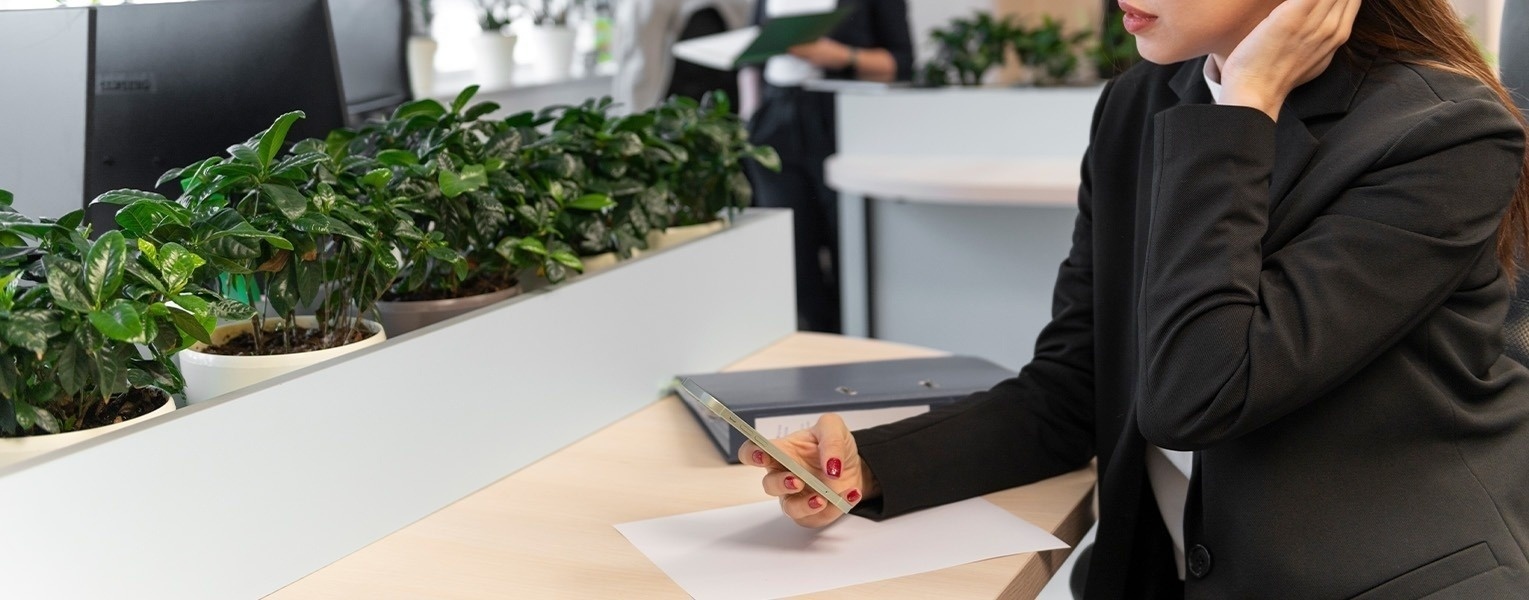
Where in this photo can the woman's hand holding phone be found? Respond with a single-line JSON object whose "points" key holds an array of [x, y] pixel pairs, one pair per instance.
{"points": [[828, 448]]}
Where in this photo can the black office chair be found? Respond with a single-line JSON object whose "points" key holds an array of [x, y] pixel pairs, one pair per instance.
{"points": [[1515, 75]]}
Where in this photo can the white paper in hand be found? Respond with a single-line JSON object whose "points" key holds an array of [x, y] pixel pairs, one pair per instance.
{"points": [[753, 552], [718, 51]]}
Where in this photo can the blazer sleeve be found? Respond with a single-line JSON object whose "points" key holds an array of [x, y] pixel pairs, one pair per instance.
{"points": [[1233, 339], [1037, 425], [892, 32]]}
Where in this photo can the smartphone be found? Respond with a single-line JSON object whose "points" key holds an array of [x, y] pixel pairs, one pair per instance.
{"points": [[702, 397]]}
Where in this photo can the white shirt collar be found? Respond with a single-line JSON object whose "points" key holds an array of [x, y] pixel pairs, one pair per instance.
{"points": [[1213, 78]]}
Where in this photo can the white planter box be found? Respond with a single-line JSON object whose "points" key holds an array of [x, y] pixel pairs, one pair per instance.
{"points": [[272, 482]]}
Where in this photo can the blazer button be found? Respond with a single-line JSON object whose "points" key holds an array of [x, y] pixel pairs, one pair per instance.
{"points": [[1198, 561]]}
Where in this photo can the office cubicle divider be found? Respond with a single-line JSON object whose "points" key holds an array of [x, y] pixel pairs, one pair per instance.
{"points": [[237, 497]]}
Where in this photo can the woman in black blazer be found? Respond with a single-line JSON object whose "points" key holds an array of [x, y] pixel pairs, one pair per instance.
{"points": [[871, 44], [1292, 261]]}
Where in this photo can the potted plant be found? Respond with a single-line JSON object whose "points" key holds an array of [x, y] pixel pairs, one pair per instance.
{"points": [[495, 47], [966, 49], [709, 185], [606, 155], [448, 196], [1048, 51], [549, 41], [421, 49], [274, 236], [87, 330]]}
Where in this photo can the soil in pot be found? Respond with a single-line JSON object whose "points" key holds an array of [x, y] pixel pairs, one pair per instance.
{"points": [[303, 340], [131, 404]]}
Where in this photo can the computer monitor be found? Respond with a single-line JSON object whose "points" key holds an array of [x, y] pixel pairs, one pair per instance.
{"points": [[371, 39], [175, 83]]}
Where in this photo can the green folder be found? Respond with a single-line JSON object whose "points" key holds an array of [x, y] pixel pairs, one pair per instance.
{"points": [[778, 35]]}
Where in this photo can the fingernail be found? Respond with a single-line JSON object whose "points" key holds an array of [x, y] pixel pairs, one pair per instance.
{"points": [[759, 457], [790, 482], [815, 503], [853, 496], [834, 467]]}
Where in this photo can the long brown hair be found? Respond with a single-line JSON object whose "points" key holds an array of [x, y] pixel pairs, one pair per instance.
{"points": [[1428, 32]]}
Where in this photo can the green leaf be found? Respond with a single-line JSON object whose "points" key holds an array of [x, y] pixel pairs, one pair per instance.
{"points": [[397, 158], [286, 198], [120, 321], [149, 373], [242, 153], [66, 285], [233, 310], [462, 99], [127, 197], [298, 167], [143, 217], [426, 108], [31, 329], [766, 157], [556, 272], [271, 139], [28, 416], [176, 265], [337, 141], [237, 171], [470, 179], [228, 223], [568, 259], [193, 316], [103, 267], [480, 109], [10, 377], [592, 202], [6, 198], [377, 178], [532, 245]]}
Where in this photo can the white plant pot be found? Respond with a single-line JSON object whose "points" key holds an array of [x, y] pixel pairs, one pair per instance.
{"points": [[14, 450], [495, 68], [211, 375], [599, 262], [548, 50], [422, 66], [674, 236]]}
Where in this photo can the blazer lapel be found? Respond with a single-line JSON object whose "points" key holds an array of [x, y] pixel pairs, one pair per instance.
{"points": [[1330, 94], [1324, 98]]}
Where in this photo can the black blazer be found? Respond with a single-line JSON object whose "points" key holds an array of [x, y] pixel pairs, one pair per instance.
{"points": [[1313, 307]]}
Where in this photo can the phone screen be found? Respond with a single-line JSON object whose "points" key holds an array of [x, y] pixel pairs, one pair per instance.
{"points": [[689, 388]]}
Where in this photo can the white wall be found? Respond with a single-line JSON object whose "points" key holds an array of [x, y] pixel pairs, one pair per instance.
{"points": [[1485, 20], [43, 64]]}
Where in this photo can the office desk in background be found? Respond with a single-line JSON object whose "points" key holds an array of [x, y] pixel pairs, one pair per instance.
{"points": [[548, 531], [951, 225]]}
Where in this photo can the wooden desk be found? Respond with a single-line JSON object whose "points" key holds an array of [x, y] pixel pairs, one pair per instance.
{"points": [[547, 530]]}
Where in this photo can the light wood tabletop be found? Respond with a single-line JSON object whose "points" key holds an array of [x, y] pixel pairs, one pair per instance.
{"points": [[547, 531]]}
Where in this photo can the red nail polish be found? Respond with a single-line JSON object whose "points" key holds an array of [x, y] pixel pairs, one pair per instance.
{"points": [[790, 483], [759, 457], [815, 503], [834, 467], [853, 496]]}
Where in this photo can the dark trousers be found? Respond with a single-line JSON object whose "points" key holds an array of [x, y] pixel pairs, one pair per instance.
{"points": [[800, 126], [815, 223]]}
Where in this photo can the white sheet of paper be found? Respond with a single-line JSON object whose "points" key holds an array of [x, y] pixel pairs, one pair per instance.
{"points": [[717, 51], [753, 552]]}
